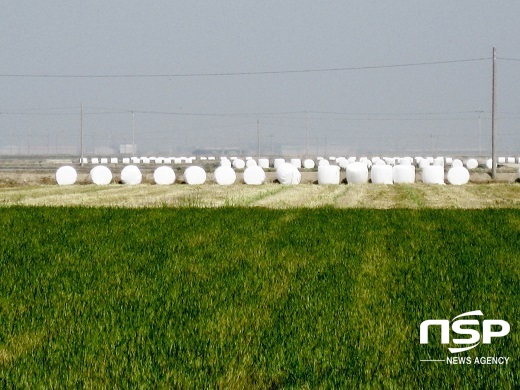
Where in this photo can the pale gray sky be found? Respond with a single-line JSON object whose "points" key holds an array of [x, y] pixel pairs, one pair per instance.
{"points": [[205, 74]]}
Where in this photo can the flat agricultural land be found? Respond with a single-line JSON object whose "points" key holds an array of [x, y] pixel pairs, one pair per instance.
{"points": [[249, 297], [269, 195]]}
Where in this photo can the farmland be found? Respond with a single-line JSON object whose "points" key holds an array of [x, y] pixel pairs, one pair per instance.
{"points": [[250, 297], [269, 195]]}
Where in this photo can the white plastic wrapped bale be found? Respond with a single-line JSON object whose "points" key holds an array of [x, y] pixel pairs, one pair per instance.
{"points": [[501, 160], [114, 160], [357, 173], [104, 160], [328, 174], [225, 175], [309, 163], [126, 160], [343, 163], [195, 175], [297, 162], [131, 175], [251, 163], [489, 163], [379, 162], [239, 163], [164, 175], [382, 174], [225, 163], [406, 161], [457, 163], [433, 174], [403, 174], [135, 160], [423, 163], [449, 160], [278, 162], [101, 175], [263, 163], [66, 176], [458, 175], [254, 175], [439, 161], [510, 160], [287, 173], [323, 162], [471, 163]]}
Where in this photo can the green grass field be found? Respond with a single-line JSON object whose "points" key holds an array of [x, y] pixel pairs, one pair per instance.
{"points": [[252, 298]]}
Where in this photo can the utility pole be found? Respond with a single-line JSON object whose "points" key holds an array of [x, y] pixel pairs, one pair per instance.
{"points": [[493, 120], [81, 135]]}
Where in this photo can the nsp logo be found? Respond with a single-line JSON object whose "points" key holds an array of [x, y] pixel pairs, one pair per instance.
{"points": [[490, 329]]}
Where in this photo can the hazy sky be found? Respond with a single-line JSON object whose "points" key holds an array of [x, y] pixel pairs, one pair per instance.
{"points": [[316, 76]]}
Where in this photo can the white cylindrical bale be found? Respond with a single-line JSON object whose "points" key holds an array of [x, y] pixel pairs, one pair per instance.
{"points": [[278, 162], [126, 160], [449, 160], [104, 160], [423, 163], [131, 175], [357, 173], [195, 175], [66, 176], [379, 162], [406, 161], [225, 175], [114, 160], [433, 174], [439, 161], [254, 175], [239, 163], [457, 163], [510, 160], [458, 175], [287, 173], [101, 175], [297, 162], [225, 163], [389, 160], [323, 162], [164, 175], [263, 163], [308, 163], [328, 174], [343, 163], [471, 163], [489, 163], [501, 160], [251, 163], [382, 174], [403, 174]]}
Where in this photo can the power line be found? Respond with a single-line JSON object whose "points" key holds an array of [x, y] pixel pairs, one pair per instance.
{"points": [[270, 72]]}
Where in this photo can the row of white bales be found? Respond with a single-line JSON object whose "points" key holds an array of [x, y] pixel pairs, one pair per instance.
{"points": [[377, 170]]}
